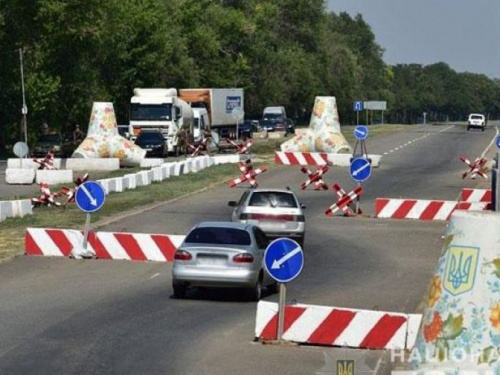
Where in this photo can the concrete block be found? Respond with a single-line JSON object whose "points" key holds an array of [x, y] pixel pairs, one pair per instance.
{"points": [[19, 176], [54, 177], [118, 184], [179, 168], [211, 161], [168, 169], [276, 135], [149, 163], [22, 208], [103, 164], [29, 163], [105, 183], [130, 181], [6, 210], [143, 178]]}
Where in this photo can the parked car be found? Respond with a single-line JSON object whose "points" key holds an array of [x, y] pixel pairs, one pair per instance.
{"points": [[123, 130], [276, 211], [222, 254], [153, 142], [55, 142], [476, 120]]}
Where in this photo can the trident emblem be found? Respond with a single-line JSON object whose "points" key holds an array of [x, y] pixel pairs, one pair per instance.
{"points": [[460, 270], [345, 367]]}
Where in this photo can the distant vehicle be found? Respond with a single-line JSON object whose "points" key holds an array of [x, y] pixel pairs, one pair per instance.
{"points": [[158, 108], [276, 211], [53, 141], [275, 119], [476, 120], [222, 254], [123, 130], [153, 142]]}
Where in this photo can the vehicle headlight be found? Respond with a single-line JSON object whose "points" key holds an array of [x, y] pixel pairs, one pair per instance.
{"points": [[57, 148]]}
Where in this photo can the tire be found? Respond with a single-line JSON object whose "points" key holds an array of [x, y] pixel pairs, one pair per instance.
{"points": [[255, 293], [179, 291], [468, 128], [482, 128]]}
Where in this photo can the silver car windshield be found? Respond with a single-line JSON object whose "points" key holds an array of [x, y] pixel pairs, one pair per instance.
{"points": [[219, 236], [272, 199]]}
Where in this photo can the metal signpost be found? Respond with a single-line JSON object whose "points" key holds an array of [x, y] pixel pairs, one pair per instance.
{"points": [[283, 260], [89, 197], [238, 114], [357, 106]]}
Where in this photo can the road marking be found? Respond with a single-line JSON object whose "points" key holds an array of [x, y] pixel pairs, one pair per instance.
{"points": [[155, 275]]}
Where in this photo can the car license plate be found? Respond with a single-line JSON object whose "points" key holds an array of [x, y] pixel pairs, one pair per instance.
{"points": [[148, 149], [212, 260]]}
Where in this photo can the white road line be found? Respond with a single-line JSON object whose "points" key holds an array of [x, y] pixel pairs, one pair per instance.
{"points": [[155, 275]]}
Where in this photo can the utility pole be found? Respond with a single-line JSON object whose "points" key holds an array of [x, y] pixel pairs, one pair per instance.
{"points": [[24, 110]]}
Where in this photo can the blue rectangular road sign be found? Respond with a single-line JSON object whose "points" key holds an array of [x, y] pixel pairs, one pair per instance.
{"points": [[357, 106]]}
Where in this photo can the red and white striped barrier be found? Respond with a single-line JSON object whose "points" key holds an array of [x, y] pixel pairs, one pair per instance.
{"points": [[242, 148], [475, 195], [106, 245], [345, 199], [334, 326], [422, 209], [316, 177], [248, 175], [301, 158]]}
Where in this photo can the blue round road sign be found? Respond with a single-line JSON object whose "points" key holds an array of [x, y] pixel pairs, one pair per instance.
{"points": [[498, 141], [90, 196], [360, 169], [361, 132], [284, 259]]}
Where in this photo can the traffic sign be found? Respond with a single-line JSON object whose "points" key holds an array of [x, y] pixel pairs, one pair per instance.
{"points": [[284, 259], [238, 113], [21, 149], [498, 141], [360, 169], [357, 106], [90, 196], [361, 132]]}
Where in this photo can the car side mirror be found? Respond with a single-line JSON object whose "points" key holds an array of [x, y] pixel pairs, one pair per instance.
{"points": [[231, 203], [303, 206]]}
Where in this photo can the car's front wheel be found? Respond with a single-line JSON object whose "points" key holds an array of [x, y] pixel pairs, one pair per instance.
{"points": [[255, 293]]}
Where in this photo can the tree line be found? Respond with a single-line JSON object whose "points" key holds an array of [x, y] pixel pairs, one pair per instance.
{"points": [[284, 52]]}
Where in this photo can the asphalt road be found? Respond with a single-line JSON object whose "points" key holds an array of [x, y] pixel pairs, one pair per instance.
{"points": [[116, 317]]}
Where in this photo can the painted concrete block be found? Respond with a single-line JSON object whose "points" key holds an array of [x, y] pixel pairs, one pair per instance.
{"points": [[54, 177], [102, 164], [19, 176]]}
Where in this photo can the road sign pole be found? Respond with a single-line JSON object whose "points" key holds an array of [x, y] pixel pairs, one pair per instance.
{"points": [[357, 201], [357, 118], [86, 232], [281, 311], [237, 129]]}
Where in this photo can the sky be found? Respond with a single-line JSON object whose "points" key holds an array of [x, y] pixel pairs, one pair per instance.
{"points": [[465, 34]]}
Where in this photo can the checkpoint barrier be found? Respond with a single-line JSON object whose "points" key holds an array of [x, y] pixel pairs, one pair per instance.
{"points": [[345, 199], [333, 326], [315, 177], [475, 195], [240, 147], [319, 158], [248, 175], [106, 245], [420, 209], [475, 168]]}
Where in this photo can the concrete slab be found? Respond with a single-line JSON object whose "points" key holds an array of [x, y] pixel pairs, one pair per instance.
{"points": [[54, 177], [29, 163], [20, 176], [105, 164], [130, 181], [149, 163]]}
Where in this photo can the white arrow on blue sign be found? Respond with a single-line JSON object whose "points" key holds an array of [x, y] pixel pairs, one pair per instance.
{"points": [[357, 106], [90, 196], [284, 259], [360, 169], [361, 132]]}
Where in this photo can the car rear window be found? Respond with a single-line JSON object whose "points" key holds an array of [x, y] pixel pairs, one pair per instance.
{"points": [[476, 117], [220, 236], [272, 199]]}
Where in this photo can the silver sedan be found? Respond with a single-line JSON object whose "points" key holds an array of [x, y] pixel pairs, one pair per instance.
{"points": [[222, 254]]}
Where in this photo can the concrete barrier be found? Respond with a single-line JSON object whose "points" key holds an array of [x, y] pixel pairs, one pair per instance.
{"points": [[130, 181], [143, 178], [19, 176], [54, 177], [29, 163], [149, 163], [334, 326], [101, 164], [16, 208], [178, 168]]}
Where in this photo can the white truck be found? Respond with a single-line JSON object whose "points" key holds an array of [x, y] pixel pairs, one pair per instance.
{"points": [[219, 103], [162, 109]]}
